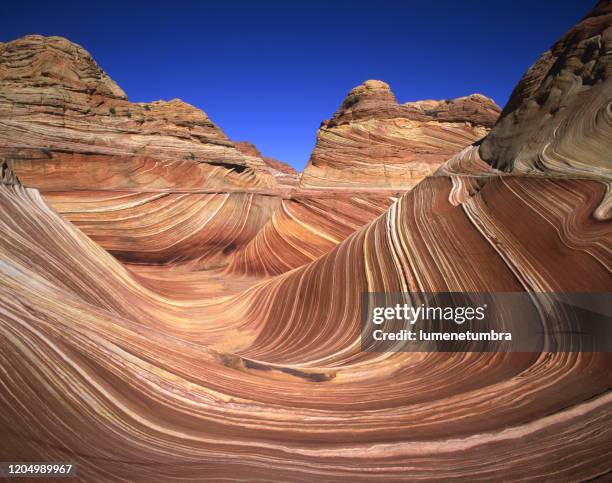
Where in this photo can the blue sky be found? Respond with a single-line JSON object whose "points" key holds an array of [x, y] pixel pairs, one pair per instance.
{"points": [[269, 72]]}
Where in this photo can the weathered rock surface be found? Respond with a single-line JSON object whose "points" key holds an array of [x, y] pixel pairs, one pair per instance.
{"points": [[563, 102], [372, 141], [65, 125], [159, 182], [162, 373]]}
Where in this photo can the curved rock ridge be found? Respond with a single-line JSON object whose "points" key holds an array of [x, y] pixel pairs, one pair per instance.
{"points": [[204, 229], [563, 101], [249, 233], [374, 142], [302, 230], [66, 125], [138, 367], [163, 373]]}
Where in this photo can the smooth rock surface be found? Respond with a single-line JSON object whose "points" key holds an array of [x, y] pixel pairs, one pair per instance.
{"points": [[253, 370]]}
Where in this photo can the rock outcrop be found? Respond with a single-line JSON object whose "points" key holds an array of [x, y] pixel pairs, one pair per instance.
{"points": [[66, 125], [160, 183], [372, 141], [151, 182], [563, 102]]}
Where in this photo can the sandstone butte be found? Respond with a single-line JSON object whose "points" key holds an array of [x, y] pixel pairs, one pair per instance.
{"points": [[374, 142], [253, 369]]}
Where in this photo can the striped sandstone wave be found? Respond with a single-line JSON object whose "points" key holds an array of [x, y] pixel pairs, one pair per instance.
{"points": [[162, 373]]}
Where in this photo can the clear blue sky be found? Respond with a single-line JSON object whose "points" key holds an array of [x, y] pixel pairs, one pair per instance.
{"points": [[270, 72]]}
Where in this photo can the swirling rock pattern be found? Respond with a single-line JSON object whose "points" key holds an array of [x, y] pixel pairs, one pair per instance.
{"points": [[161, 183], [167, 228], [173, 408], [563, 101], [163, 373], [303, 229], [252, 234]]}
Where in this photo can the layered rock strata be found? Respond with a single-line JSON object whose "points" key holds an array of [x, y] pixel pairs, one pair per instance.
{"points": [[160, 183], [372, 141], [67, 126], [563, 102], [156, 373]]}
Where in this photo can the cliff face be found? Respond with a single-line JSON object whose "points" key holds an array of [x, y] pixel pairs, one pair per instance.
{"points": [[372, 141], [64, 124]]}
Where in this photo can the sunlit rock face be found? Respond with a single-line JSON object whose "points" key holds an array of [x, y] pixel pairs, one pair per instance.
{"points": [[372, 141], [286, 177], [562, 103], [160, 183], [66, 125], [253, 370]]}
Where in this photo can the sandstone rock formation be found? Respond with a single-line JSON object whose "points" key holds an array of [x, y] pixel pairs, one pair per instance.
{"points": [[66, 125], [152, 182], [159, 372], [304, 228], [374, 141], [160, 183], [287, 178], [563, 101]]}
